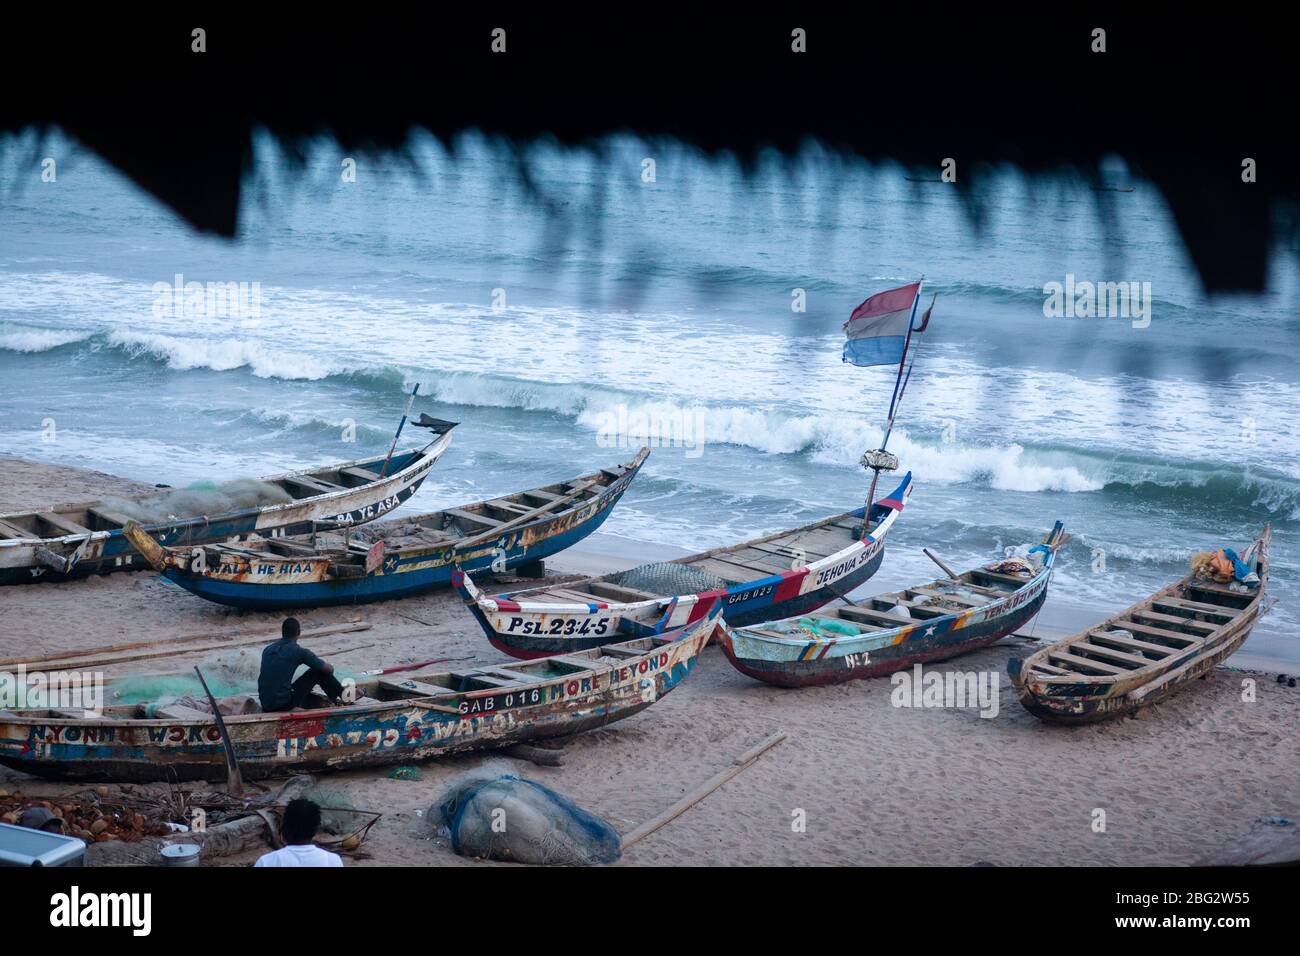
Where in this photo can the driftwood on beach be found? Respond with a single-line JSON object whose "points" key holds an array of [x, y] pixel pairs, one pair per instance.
{"points": [[260, 827]]}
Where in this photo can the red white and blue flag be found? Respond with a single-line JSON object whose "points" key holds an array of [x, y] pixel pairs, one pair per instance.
{"points": [[877, 329]]}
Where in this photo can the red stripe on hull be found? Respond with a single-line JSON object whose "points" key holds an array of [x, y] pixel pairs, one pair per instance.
{"points": [[789, 587]]}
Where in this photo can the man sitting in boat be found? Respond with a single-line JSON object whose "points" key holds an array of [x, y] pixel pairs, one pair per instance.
{"points": [[275, 684]]}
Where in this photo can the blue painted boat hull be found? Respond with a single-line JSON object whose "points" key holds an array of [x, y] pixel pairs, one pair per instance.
{"points": [[404, 571], [376, 586]]}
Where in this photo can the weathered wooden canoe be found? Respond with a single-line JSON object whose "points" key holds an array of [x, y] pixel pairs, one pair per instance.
{"points": [[1141, 655], [775, 576], [393, 559], [889, 632], [74, 541], [393, 720]]}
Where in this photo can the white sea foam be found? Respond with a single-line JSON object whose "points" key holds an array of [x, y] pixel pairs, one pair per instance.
{"points": [[222, 355], [830, 438], [17, 339]]}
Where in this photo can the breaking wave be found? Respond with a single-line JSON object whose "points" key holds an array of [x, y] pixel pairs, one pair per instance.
{"points": [[221, 355], [20, 339], [835, 439]]}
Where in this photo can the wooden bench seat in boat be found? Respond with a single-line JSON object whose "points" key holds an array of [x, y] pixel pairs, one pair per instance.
{"points": [[620, 652], [1183, 604], [1205, 587], [8, 530], [313, 485], [828, 540], [363, 475], [791, 553], [617, 592], [62, 524], [1130, 643], [473, 517], [980, 588], [109, 517], [544, 495], [1079, 663], [483, 678], [1159, 633], [1048, 669], [919, 606], [563, 596], [404, 688], [864, 615], [1156, 619], [505, 673], [763, 562], [580, 663], [1111, 654]]}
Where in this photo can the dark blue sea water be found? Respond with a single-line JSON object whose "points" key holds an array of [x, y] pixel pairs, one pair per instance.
{"points": [[543, 312]]}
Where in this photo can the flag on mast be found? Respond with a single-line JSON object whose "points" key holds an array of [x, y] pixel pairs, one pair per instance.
{"points": [[877, 329], [925, 319]]}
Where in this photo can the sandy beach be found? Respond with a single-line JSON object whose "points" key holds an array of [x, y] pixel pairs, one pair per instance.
{"points": [[875, 783]]}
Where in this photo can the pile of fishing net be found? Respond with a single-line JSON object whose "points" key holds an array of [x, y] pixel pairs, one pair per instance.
{"points": [[1024, 559], [229, 674], [668, 578], [338, 814], [509, 818], [202, 498]]}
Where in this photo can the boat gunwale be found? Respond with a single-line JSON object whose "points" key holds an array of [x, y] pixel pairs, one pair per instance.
{"points": [[422, 454]]}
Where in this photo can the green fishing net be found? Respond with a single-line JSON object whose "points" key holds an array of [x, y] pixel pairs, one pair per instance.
{"points": [[668, 579], [827, 627], [228, 674], [337, 813]]}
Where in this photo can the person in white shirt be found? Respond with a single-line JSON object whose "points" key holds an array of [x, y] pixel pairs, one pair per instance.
{"points": [[301, 821]]}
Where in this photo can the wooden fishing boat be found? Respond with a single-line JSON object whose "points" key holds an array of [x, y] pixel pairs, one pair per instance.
{"points": [[888, 632], [1145, 653], [775, 576], [394, 719], [394, 559], [77, 540]]}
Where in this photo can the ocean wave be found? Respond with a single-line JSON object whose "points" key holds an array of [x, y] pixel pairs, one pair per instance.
{"points": [[18, 339], [835, 439], [311, 424], [221, 355]]}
